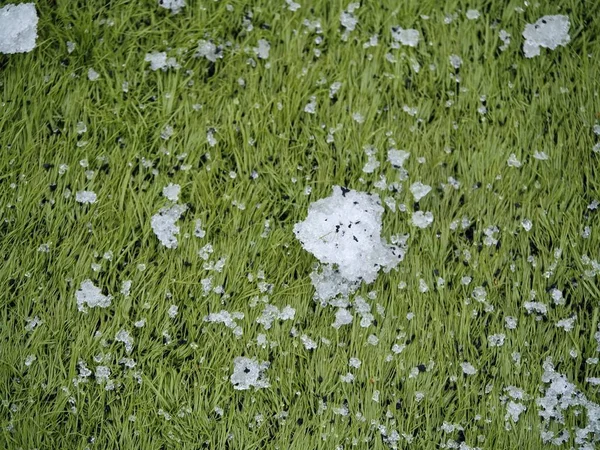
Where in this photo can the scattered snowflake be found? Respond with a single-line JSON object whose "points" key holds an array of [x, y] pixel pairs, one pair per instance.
{"points": [[345, 229], [124, 337], [208, 50], [342, 317], [262, 51], [93, 75]]}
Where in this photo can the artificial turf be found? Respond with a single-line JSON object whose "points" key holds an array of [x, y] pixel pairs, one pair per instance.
{"points": [[272, 159]]}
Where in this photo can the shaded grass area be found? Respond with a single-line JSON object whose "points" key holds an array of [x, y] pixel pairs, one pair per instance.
{"points": [[549, 104]]}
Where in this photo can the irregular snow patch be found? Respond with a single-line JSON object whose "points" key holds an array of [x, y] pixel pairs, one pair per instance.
{"points": [[171, 191], [174, 5], [271, 313], [126, 338], [345, 229], [159, 60], [262, 51], [208, 50], [163, 224], [90, 295], [419, 190], [408, 37], [18, 28], [86, 197], [397, 158], [248, 372], [342, 317], [422, 219], [472, 14], [548, 32], [468, 368], [560, 396]]}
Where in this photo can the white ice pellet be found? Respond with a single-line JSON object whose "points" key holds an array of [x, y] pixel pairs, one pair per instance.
{"points": [[126, 338], [397, 158], [208, 50], [548, 32], [18, 28]]}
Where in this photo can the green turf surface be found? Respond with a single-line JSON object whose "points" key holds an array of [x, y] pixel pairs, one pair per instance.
{"points": [[183, 365]]}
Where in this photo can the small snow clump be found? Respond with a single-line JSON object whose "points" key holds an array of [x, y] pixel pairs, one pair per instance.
{"points": [[548, 32], [163, 224], [248, 372], [90, 295], [18, 28]]}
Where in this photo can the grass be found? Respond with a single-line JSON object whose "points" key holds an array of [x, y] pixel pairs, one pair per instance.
{"points": [[549, 103]]}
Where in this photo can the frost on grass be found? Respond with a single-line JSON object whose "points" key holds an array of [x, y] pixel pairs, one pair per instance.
{"points": [[164, 226], [160, 61], [408, 37], [174, 5], [345, 230], [18, 28], [90, 295], [548, 32], [248, 372], [86, 197]]}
